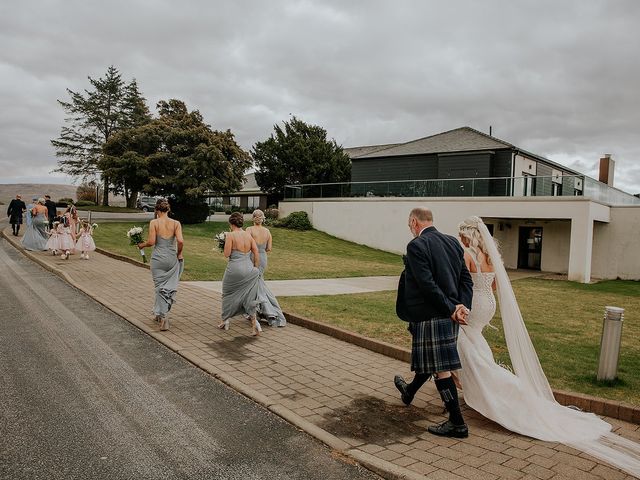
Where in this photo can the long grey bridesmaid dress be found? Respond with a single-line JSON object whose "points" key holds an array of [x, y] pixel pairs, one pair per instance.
{"points": [[244, 291], [35, 236], [263, 257], [166, 270]]}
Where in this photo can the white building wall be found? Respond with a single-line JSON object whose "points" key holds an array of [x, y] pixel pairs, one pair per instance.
{"points": [[382, 223], [616, 245]]}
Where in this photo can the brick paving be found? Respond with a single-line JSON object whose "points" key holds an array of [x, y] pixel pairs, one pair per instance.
{"points": [[335, 386]]}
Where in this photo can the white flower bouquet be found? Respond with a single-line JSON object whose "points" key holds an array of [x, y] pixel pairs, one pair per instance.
{"points": [[221, 238], [135, 237]]}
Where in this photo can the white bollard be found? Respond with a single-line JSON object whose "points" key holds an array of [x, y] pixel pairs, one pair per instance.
{"points": [[610, 343]]}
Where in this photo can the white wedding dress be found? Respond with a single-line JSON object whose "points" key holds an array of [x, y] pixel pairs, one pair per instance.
{"points": [[523, 401]]}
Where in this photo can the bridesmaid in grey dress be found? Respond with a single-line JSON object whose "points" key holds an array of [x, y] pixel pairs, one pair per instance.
{"points": [[167, 262], [36, 236], [243, 288], [262, 236]]}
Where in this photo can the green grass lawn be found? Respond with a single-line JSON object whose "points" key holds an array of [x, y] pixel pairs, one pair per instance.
{"points": [[564, 320], [310, 254]]}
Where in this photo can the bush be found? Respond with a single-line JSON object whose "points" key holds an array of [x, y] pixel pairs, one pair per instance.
{"points": [[86, 192], [85, 203], [272, 213], [295, 221], [63, 202], [189, 213]]}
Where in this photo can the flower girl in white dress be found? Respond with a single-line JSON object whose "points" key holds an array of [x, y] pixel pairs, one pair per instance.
{"points": [[53, 243], [85, 241], [65, 241]]}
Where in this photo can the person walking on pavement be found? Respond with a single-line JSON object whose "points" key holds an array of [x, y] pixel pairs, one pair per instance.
{"points": [[36, 236], [52, 211], [167, 261], [434, 296], [34, 202], [14, 212]]}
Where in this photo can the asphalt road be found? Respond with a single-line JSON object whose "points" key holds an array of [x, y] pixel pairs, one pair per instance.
{"points": [[85, 395]]}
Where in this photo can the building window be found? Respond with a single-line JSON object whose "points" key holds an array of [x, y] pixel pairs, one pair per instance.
{"points": [[253, 203], [215, 202], [234, 202], [556, 189]]}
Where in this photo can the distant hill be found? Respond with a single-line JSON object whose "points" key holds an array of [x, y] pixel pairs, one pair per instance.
{"points": [[57, 191]]}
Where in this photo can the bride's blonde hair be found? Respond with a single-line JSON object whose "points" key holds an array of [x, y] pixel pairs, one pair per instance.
{"points": [[468, 229]]}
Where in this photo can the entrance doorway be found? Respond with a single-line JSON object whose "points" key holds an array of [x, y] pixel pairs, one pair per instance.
{"points": [[530, 248]]}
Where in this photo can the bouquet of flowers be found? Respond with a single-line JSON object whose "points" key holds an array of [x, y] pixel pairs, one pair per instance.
{"points": [[221, 238], [135, 237], [94, 225]]}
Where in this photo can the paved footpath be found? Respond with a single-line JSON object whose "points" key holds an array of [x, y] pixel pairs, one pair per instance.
{"points": [[338, 392]]}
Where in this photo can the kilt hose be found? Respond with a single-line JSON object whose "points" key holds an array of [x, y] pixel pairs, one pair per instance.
{"points": [[433, 345]]}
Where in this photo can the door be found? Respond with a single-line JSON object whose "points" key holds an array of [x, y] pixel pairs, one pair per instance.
{"points": [[530, 248]]}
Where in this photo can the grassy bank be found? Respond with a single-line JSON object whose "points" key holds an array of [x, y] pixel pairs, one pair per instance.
{"points": [[310, 254]]}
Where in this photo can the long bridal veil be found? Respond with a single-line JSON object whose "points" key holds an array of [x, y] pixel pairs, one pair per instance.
{"points": [[590, 434]]}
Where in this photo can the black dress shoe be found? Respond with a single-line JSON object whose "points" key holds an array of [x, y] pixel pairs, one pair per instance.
{"points": [[448, 429], [403, 388]]}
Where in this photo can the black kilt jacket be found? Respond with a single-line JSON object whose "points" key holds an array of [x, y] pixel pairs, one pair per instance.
{"points": [[435, 278], [434, 281], [14, 211]]}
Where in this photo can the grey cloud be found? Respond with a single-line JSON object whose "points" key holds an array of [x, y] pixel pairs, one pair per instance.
{"points": [[557, 78]]}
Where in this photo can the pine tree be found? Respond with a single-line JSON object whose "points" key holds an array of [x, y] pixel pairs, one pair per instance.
{"points": [[92, 118]]}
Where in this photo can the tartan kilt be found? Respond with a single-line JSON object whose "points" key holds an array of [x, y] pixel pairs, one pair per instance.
{"points": [[433, 345]]}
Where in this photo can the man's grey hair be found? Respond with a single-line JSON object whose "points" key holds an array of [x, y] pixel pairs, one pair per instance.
{"points": [[422, 214]]}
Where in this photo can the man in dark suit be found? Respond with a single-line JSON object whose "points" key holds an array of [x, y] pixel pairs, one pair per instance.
{"points": [[434, 296], [52, 211], [14, 212]]}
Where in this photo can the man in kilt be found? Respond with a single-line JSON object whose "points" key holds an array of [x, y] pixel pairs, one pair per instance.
{"points": [[14, 212], [434, 296]]}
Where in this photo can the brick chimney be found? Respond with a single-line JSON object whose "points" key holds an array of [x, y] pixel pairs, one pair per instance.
{"points": [[607, 164]]}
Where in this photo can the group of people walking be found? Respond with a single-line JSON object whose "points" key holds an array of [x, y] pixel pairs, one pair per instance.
{"points": [[244, 291], [47, 230], [446, 294]]}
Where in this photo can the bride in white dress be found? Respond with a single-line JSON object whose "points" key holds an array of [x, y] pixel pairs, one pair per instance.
{"points": [[521, 401]]}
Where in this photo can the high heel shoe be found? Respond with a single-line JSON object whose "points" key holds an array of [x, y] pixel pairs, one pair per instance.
{"points": [[256, 329], [164, 324], [224, 325]]}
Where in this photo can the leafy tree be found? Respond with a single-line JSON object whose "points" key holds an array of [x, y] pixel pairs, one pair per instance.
{"points": [[176, 155], [126, 159], [93, 116], [299, 153]]}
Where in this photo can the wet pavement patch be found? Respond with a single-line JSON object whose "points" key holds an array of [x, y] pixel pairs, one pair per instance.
{"points": [[373, 420], [233, 348]]}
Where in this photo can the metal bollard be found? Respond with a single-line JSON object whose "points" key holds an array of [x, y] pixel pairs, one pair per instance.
{"points": [[610, 343]]}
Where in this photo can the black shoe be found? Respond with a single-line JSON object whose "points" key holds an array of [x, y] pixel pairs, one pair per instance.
{"points": [[402, 387], [448, 429]]}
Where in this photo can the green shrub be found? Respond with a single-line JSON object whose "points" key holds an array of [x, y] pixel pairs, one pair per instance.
{"points": [[272, 213], [85, 203], [295, 221], [189, 212], [63, 202]]}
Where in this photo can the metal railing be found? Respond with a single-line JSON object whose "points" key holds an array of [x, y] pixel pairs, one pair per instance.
{"points": [[540, 186]]}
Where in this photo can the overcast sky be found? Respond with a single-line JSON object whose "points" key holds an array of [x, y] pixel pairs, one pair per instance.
{"points": [[558, 78]]}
